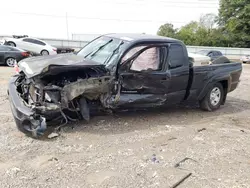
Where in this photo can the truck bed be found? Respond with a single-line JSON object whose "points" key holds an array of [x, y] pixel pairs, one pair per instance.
{"points": [[203, 76]]}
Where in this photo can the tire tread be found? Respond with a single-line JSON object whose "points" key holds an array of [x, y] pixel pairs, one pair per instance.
{"points": [[205, 102]]}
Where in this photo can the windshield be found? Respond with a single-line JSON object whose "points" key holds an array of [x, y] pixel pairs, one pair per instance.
{"points": [[102, 50]]}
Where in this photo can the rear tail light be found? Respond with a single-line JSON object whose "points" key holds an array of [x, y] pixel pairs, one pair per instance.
{"points": [[54, 49], [25, 54]]}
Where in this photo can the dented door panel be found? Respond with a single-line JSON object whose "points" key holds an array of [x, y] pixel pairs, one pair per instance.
{"points": [[143, 89], [145, 83]]}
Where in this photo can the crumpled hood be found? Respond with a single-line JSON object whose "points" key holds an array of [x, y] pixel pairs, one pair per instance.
{"points": [[37, 65]]}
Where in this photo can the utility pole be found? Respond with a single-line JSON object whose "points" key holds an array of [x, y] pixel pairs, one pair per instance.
{"points": [[67, 25]]}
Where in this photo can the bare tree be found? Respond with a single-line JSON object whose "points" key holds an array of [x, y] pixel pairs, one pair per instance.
{"points": [[208, 21]]}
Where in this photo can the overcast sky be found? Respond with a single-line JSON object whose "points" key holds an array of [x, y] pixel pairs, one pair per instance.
{"points": [[47, 18]]}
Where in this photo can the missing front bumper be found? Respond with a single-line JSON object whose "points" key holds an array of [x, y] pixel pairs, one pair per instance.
{"points": [[26, 120]]}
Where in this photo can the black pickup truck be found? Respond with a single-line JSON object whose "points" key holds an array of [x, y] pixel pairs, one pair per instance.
{"points": [[113, 72]]}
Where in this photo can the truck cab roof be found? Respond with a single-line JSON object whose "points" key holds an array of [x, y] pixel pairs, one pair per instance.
{"points": [[140, 37]]}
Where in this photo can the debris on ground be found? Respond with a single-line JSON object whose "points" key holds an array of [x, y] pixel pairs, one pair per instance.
{"points": [[53, 135], [172, 138], [182, 161], [203, 129], [13, 171], [154, 159], [53, 159], [181, 181]]}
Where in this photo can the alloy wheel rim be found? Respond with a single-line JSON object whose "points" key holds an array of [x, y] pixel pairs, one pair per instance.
{"points": [[45, 53], [11, 62], [215, 96]]}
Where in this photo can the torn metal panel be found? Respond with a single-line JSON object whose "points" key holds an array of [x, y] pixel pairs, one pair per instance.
{"points": [[47, 107], [91, 88], [146, 100]]}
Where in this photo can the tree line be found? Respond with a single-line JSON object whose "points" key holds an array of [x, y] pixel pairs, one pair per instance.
{"points": [[230, 28]]}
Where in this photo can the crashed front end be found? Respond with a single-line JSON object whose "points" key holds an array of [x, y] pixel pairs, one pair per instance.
{"points": [[56, 97]]}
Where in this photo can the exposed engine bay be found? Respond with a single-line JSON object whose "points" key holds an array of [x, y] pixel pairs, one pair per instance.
{"points": [[65, 96]]}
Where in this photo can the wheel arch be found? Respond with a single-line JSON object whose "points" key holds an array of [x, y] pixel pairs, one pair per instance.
{"points": [[7, 57], [224, 84], [224, 81], [10, 41], [44, 50]]}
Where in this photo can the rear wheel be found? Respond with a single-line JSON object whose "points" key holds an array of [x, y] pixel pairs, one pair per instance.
{"points": [[10, 61], [213, 99], [44, 52], [11, 44]]}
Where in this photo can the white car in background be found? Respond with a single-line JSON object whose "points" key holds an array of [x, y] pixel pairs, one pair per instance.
{"points": [[2, 41], [245, 59], [32, 45], [199, 59]]}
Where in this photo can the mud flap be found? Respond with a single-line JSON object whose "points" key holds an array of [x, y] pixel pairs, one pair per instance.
{"points": [[84, 109]]}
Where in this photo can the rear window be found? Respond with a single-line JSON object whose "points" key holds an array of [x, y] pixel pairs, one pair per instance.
{"points": [[38, 42], [28, 40], [215, 54], [219, 53], [9, 48], [14, 49], [176, 56], [34, 41]]}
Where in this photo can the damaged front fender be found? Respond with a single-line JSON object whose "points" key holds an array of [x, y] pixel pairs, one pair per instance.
{"points": [[90, 88]]}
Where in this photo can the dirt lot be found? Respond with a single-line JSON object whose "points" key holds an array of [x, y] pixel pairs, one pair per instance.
{"points": [[134, 149]]}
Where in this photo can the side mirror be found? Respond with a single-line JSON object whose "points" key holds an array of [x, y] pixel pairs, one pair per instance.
{"points": [[75, 52]]}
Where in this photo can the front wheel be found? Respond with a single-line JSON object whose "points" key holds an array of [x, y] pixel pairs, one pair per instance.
{"points": [[213, 99]]}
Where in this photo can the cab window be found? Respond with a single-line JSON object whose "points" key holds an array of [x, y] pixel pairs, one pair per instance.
{"points": [[176, 56], [149, 59]]}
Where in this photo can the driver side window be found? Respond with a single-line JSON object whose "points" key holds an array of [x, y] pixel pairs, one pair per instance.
{"points": [[147, 60]]}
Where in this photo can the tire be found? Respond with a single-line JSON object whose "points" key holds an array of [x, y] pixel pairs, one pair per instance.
{"points": [[213, 99], [44, 52], [11, 44], [10, 61], [244, 62]]}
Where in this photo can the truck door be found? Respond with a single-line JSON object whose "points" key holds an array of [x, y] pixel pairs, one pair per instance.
{"points": [[178, 65], [143, 80]]}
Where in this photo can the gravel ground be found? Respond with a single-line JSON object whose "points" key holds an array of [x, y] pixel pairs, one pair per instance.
{"points": [[134, 149]]}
